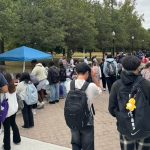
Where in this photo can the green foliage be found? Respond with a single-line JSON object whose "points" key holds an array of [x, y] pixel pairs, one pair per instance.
{"points": [[55, 25]]}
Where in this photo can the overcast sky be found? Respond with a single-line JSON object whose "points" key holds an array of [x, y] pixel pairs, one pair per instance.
{"points": [[143, 7]]}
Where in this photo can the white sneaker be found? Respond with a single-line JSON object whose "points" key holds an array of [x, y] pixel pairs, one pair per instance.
{"points": [[40, 105], [104, 89]]}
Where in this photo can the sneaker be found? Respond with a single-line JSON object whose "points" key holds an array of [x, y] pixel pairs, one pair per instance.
{"points": [[40, 106], [17, 143], [24, 127], [53, 102], [56, 101], [104, 89]]}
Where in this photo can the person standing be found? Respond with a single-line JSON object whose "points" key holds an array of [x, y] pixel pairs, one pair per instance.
{"points": [[82, 137], [53, 78], [103, 76], [129, 103], [63, 76], [22, 93], [72, 62], [86, 60], [40, 72], [4, 89], [10, 121], [110, 71], [96, 74]]}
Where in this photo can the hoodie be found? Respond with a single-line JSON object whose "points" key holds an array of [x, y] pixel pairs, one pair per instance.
{"points": [[105, 66], [127, 78]]}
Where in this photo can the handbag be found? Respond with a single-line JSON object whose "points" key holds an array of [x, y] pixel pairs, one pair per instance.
{"points": [[3, 108]]}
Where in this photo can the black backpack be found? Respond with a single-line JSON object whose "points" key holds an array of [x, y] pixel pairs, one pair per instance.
{"points": [[76, 109], [133, 124], [62, 74], [111, 68], [54, 74]]}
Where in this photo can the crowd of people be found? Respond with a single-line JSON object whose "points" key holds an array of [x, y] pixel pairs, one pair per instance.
{"points": [[52, 82]]}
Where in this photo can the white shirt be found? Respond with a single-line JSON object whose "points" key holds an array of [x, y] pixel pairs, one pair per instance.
{"points": [[92, 91], [72, 62], [86, 61]]}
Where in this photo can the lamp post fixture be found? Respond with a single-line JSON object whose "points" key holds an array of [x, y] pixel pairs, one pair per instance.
{"points": [[132, 42], [113, 35]]}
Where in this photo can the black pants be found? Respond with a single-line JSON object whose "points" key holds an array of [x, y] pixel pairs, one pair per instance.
{"points": [[142, 144], [83, 139], [10, 122], [27, 116], [104, 82], [110, 81]]}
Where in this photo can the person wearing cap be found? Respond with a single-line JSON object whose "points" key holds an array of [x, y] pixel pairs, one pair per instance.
{"points": [[129, 76], [84, 139]]}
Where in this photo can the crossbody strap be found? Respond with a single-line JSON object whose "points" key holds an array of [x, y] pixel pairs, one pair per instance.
{"points": [[136, 85]]}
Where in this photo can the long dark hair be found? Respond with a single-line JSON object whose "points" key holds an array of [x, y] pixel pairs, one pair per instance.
{"points": [[11, 85], [25, 77]]}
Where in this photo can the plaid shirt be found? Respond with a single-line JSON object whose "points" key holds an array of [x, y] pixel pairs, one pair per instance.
{"points": [[143, 144]]}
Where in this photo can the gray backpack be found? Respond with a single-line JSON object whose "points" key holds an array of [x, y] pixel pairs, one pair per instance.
{"points": [[111, 68]]}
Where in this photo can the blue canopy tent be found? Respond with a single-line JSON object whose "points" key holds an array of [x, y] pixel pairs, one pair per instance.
{"points": [[24, 54]]}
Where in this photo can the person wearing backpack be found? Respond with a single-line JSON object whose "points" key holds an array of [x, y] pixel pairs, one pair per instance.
{"points": [[79, 110], [22, 91], [129, 102], [110, 71], [62, 76], [10, 120], [53, 78]]}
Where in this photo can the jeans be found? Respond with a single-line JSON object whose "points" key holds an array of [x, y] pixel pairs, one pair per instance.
{"points": [[27, 116], [10, 122], [54, 92], [110, 81], [83, 139], [62, 92]]}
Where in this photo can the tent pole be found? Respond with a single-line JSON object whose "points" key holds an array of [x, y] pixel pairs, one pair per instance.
{"points": [[24, 66]]}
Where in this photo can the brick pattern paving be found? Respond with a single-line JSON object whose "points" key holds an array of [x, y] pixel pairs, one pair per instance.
{"points": [[50, 126]]}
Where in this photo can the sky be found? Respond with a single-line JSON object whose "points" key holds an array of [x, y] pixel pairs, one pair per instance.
{"points": [[143, 7]]}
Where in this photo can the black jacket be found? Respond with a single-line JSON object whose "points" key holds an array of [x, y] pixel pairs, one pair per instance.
{"points": [[126, 79], [62, 74]]}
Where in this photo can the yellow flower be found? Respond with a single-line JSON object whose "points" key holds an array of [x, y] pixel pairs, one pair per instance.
{"points": [[131, 105]]}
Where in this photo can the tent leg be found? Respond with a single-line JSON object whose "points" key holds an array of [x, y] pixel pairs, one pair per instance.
{"points": [[24, 66]]}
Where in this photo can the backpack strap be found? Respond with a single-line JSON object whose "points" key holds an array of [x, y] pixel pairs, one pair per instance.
{"points": [[72, 85], [85, 85], [136, 85]]}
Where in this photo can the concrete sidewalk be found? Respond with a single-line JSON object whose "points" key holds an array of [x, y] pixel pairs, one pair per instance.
{"points": [[30, 144]]}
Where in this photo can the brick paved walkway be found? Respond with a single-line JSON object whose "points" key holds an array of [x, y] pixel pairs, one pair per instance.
{"points": [[50, 126]]}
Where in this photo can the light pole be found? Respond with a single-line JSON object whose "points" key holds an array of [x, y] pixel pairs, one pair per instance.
{"points": [[142, 44], [113, 35], [132, 42]]}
